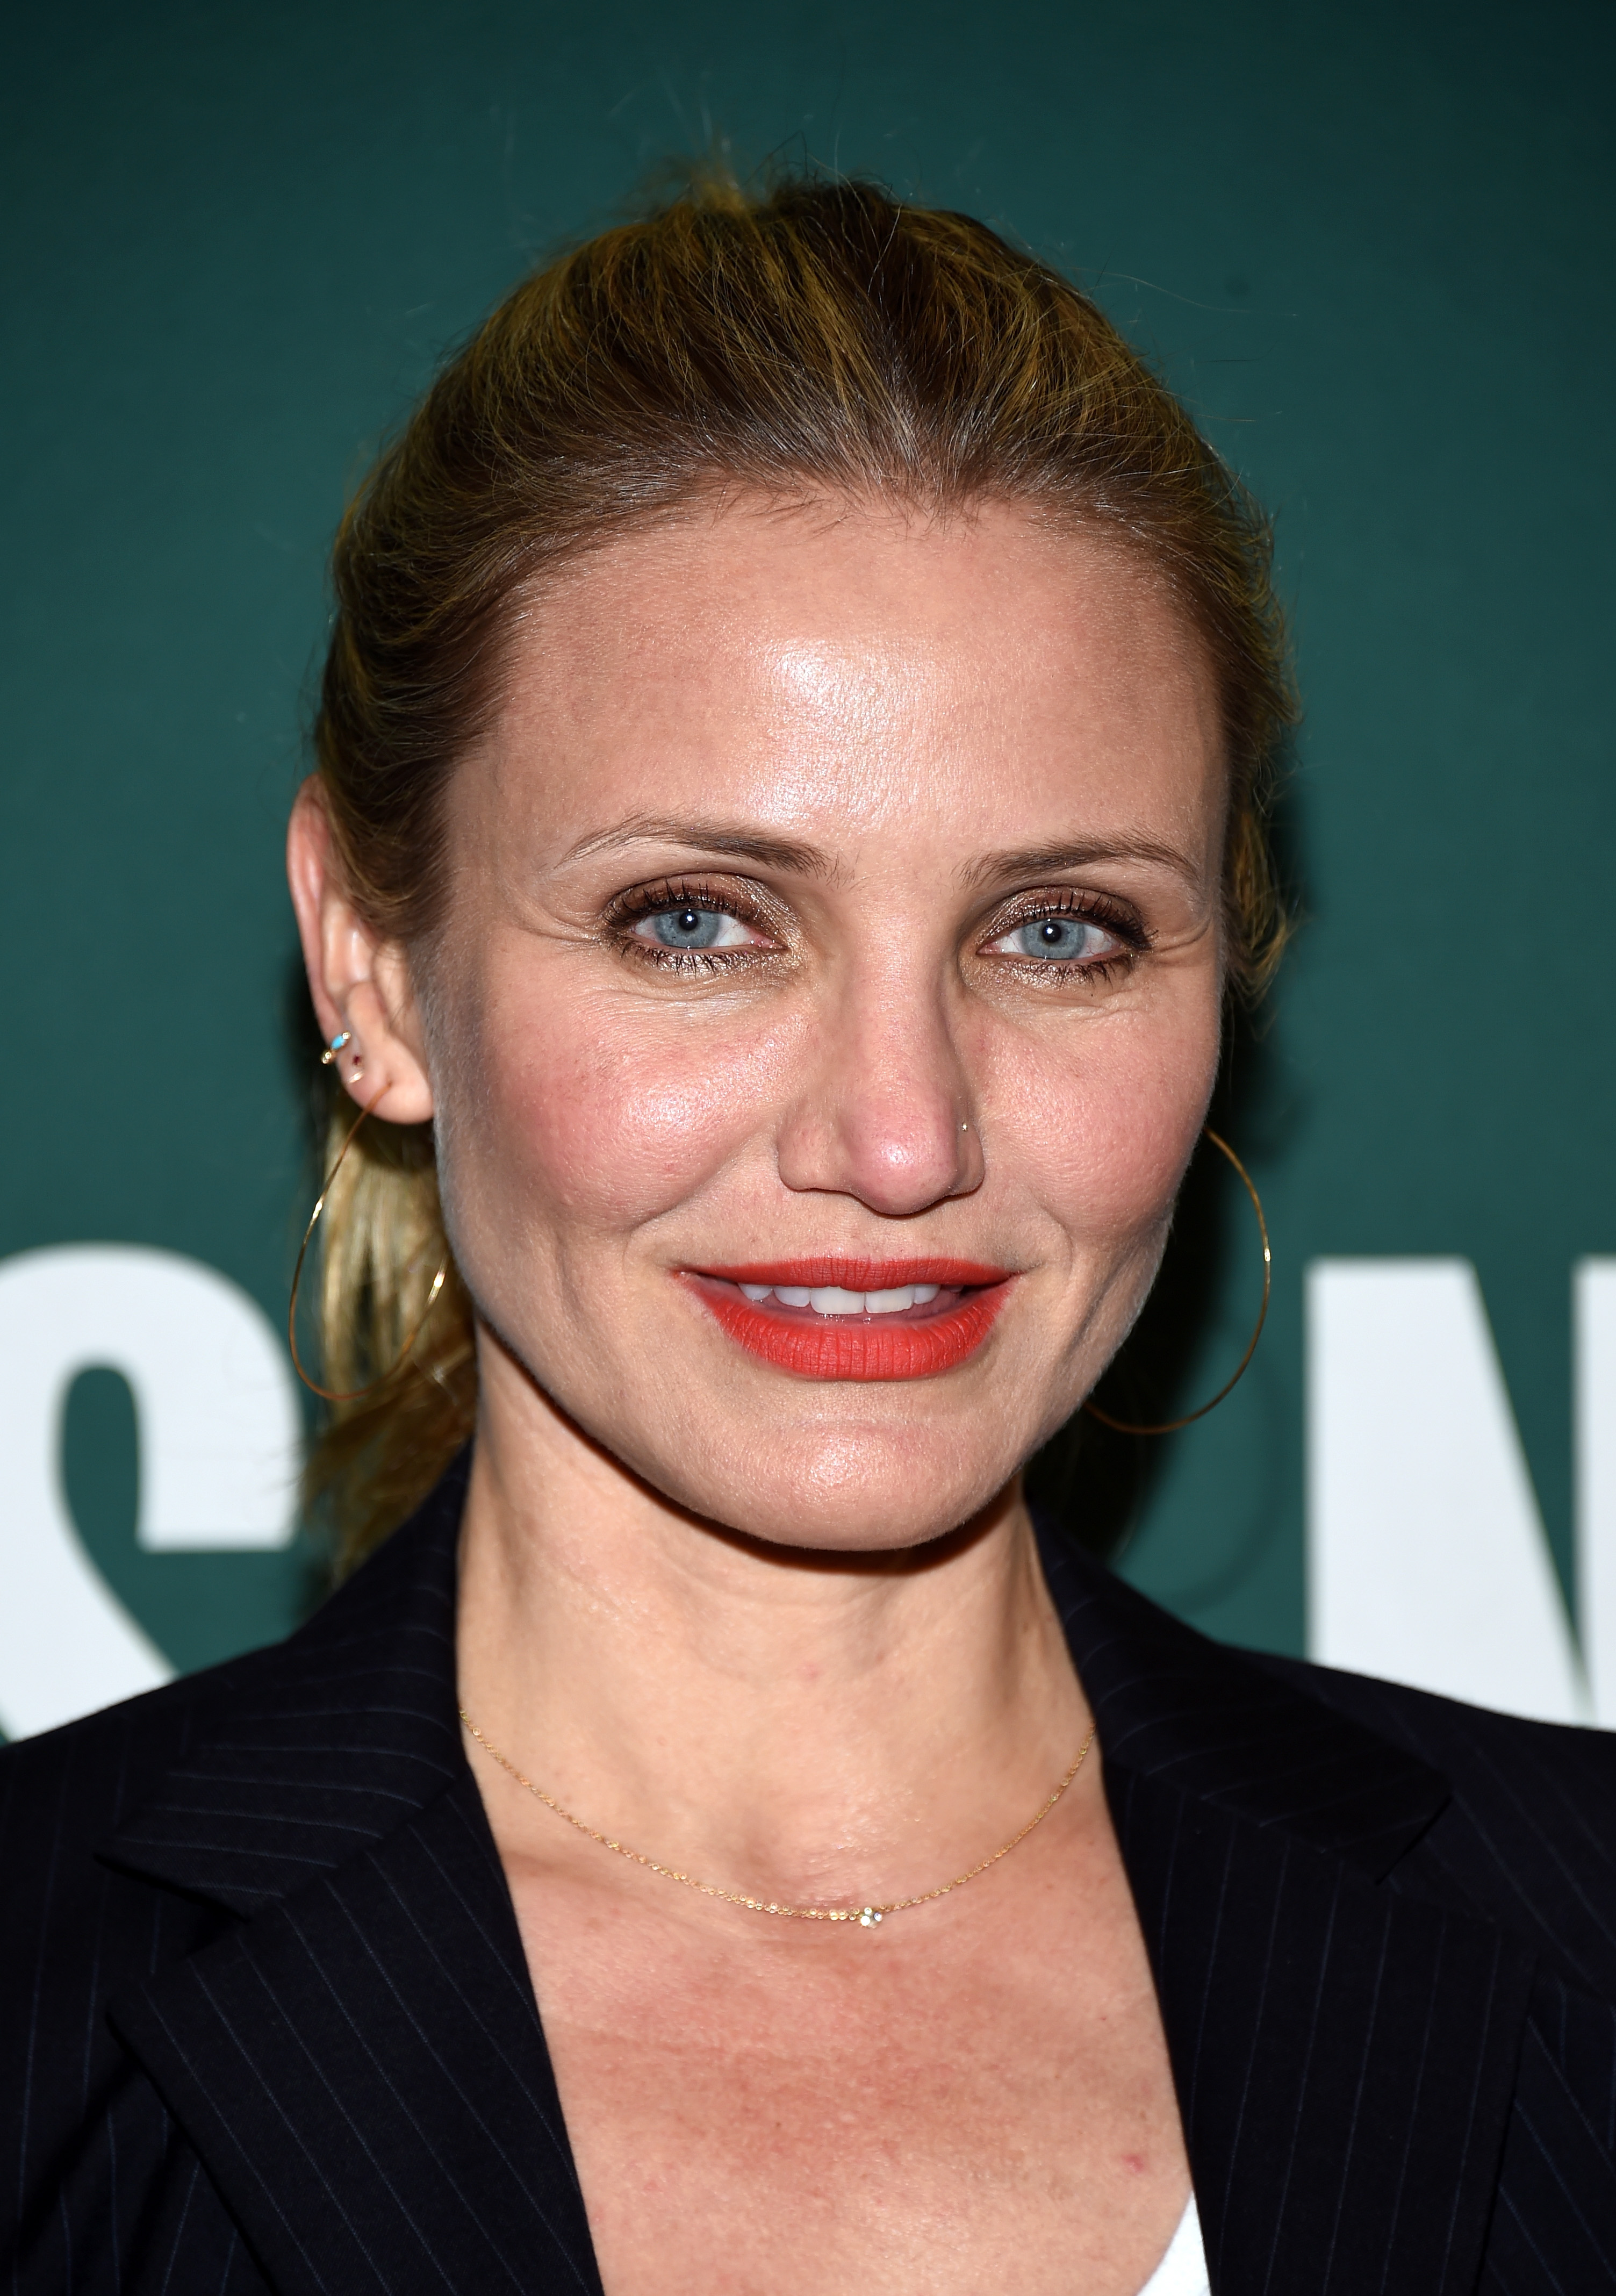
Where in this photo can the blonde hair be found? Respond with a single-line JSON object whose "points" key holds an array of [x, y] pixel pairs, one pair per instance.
{"points": [[820, 338]]}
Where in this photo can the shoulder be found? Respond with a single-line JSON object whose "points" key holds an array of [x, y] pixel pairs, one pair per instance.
{"points": [[68, 1789], [79, 1784], [112, 1753], [1482, 1814], [375, 1651], [1481, 1752], [138, 1837], [74, 1930], [1528, 1835]]}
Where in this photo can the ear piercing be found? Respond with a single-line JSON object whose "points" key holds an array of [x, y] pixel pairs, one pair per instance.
{"points": [[343, 1037]]}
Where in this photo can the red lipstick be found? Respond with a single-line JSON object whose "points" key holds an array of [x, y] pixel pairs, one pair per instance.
{"points": [[841, 1338]]}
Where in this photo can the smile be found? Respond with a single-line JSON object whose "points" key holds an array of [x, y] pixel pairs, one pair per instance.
{"points": [[857, 1319], [833, 1299]]}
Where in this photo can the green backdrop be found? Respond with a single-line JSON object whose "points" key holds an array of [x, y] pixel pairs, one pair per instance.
{"points": [[1370, 243]]}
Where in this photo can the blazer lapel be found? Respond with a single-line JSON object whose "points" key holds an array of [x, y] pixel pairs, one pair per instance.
{"points": [[358, 2062], [1344, 2051], [362, 2070]]}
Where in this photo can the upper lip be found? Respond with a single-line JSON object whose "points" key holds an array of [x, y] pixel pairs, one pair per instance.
{"points": [[857, 1275]]}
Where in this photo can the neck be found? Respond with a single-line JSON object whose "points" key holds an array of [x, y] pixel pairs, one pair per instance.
{"points": [[817, 1725]]}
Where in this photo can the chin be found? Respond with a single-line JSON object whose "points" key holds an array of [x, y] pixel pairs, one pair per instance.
{"points": [[864, 1490]]}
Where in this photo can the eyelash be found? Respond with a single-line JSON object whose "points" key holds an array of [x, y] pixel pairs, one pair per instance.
{"points": [[670, 892], [1096, 909]]}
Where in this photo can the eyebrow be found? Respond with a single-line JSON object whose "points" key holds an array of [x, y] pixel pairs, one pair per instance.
{"points": [[797, 859], [699, 836], [1041, 860]]}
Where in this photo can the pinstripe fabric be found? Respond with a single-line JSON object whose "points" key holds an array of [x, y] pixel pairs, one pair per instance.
{"points": [[1344, 2054], [263, 1912], [265, 2024], [406, 2131], [1531, 1839]]}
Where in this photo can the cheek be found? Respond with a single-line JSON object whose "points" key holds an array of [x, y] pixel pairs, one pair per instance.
{"points": [[591, 1118], [1104, 1139]]}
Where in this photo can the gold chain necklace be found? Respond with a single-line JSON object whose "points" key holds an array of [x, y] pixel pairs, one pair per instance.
{"points": [[866, 1916]]}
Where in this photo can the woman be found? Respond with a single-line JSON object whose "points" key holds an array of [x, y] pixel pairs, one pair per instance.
{"points": [[789, 820]]}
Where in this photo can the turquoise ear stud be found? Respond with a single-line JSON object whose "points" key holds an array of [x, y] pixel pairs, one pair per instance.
{"points": [[343, 1036]]}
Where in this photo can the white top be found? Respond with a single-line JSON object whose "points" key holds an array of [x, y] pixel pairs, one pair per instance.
{"points": [[1182, 2271]]}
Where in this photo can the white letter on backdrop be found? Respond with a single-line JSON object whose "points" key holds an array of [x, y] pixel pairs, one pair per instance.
{"points": [[1594, 1327], [1427, 1562], [218, 1441]]}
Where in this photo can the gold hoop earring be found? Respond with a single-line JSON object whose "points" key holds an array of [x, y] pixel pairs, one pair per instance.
{"points": [[355, 1395], [1170, 1426]]}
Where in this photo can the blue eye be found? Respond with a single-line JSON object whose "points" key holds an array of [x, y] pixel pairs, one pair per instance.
{"points": [[1061, 938], [687, 927], [1068, 939], [694, 925]]}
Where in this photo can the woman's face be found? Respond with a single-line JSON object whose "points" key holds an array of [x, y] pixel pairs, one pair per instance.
{"points": [[828, 1004]]}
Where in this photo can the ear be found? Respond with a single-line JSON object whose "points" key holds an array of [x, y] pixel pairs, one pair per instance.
{"points": [[360, 982]]}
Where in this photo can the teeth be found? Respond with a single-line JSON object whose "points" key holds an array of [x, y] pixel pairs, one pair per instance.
{"points": [[831, 1300]]}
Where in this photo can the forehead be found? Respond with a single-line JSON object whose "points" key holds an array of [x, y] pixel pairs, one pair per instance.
{"points": [[825, 656]]}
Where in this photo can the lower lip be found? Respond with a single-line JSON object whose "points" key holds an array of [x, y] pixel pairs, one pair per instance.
{"points": [[912, 1345]]}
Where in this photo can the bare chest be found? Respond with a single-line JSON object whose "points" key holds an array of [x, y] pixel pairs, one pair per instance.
{"points": [[975, 2096]]}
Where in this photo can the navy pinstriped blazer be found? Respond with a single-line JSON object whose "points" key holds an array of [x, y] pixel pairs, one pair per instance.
{"points": [[264, 2022]]}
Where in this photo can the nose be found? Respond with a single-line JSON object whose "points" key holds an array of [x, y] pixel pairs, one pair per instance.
{"points": [[884, 1112]]}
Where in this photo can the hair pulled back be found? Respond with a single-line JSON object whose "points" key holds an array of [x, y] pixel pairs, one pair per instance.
{"points": [[824, 338]]}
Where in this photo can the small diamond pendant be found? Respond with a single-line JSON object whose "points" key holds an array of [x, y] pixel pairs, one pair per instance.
{"points": [[868, 1918]]}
